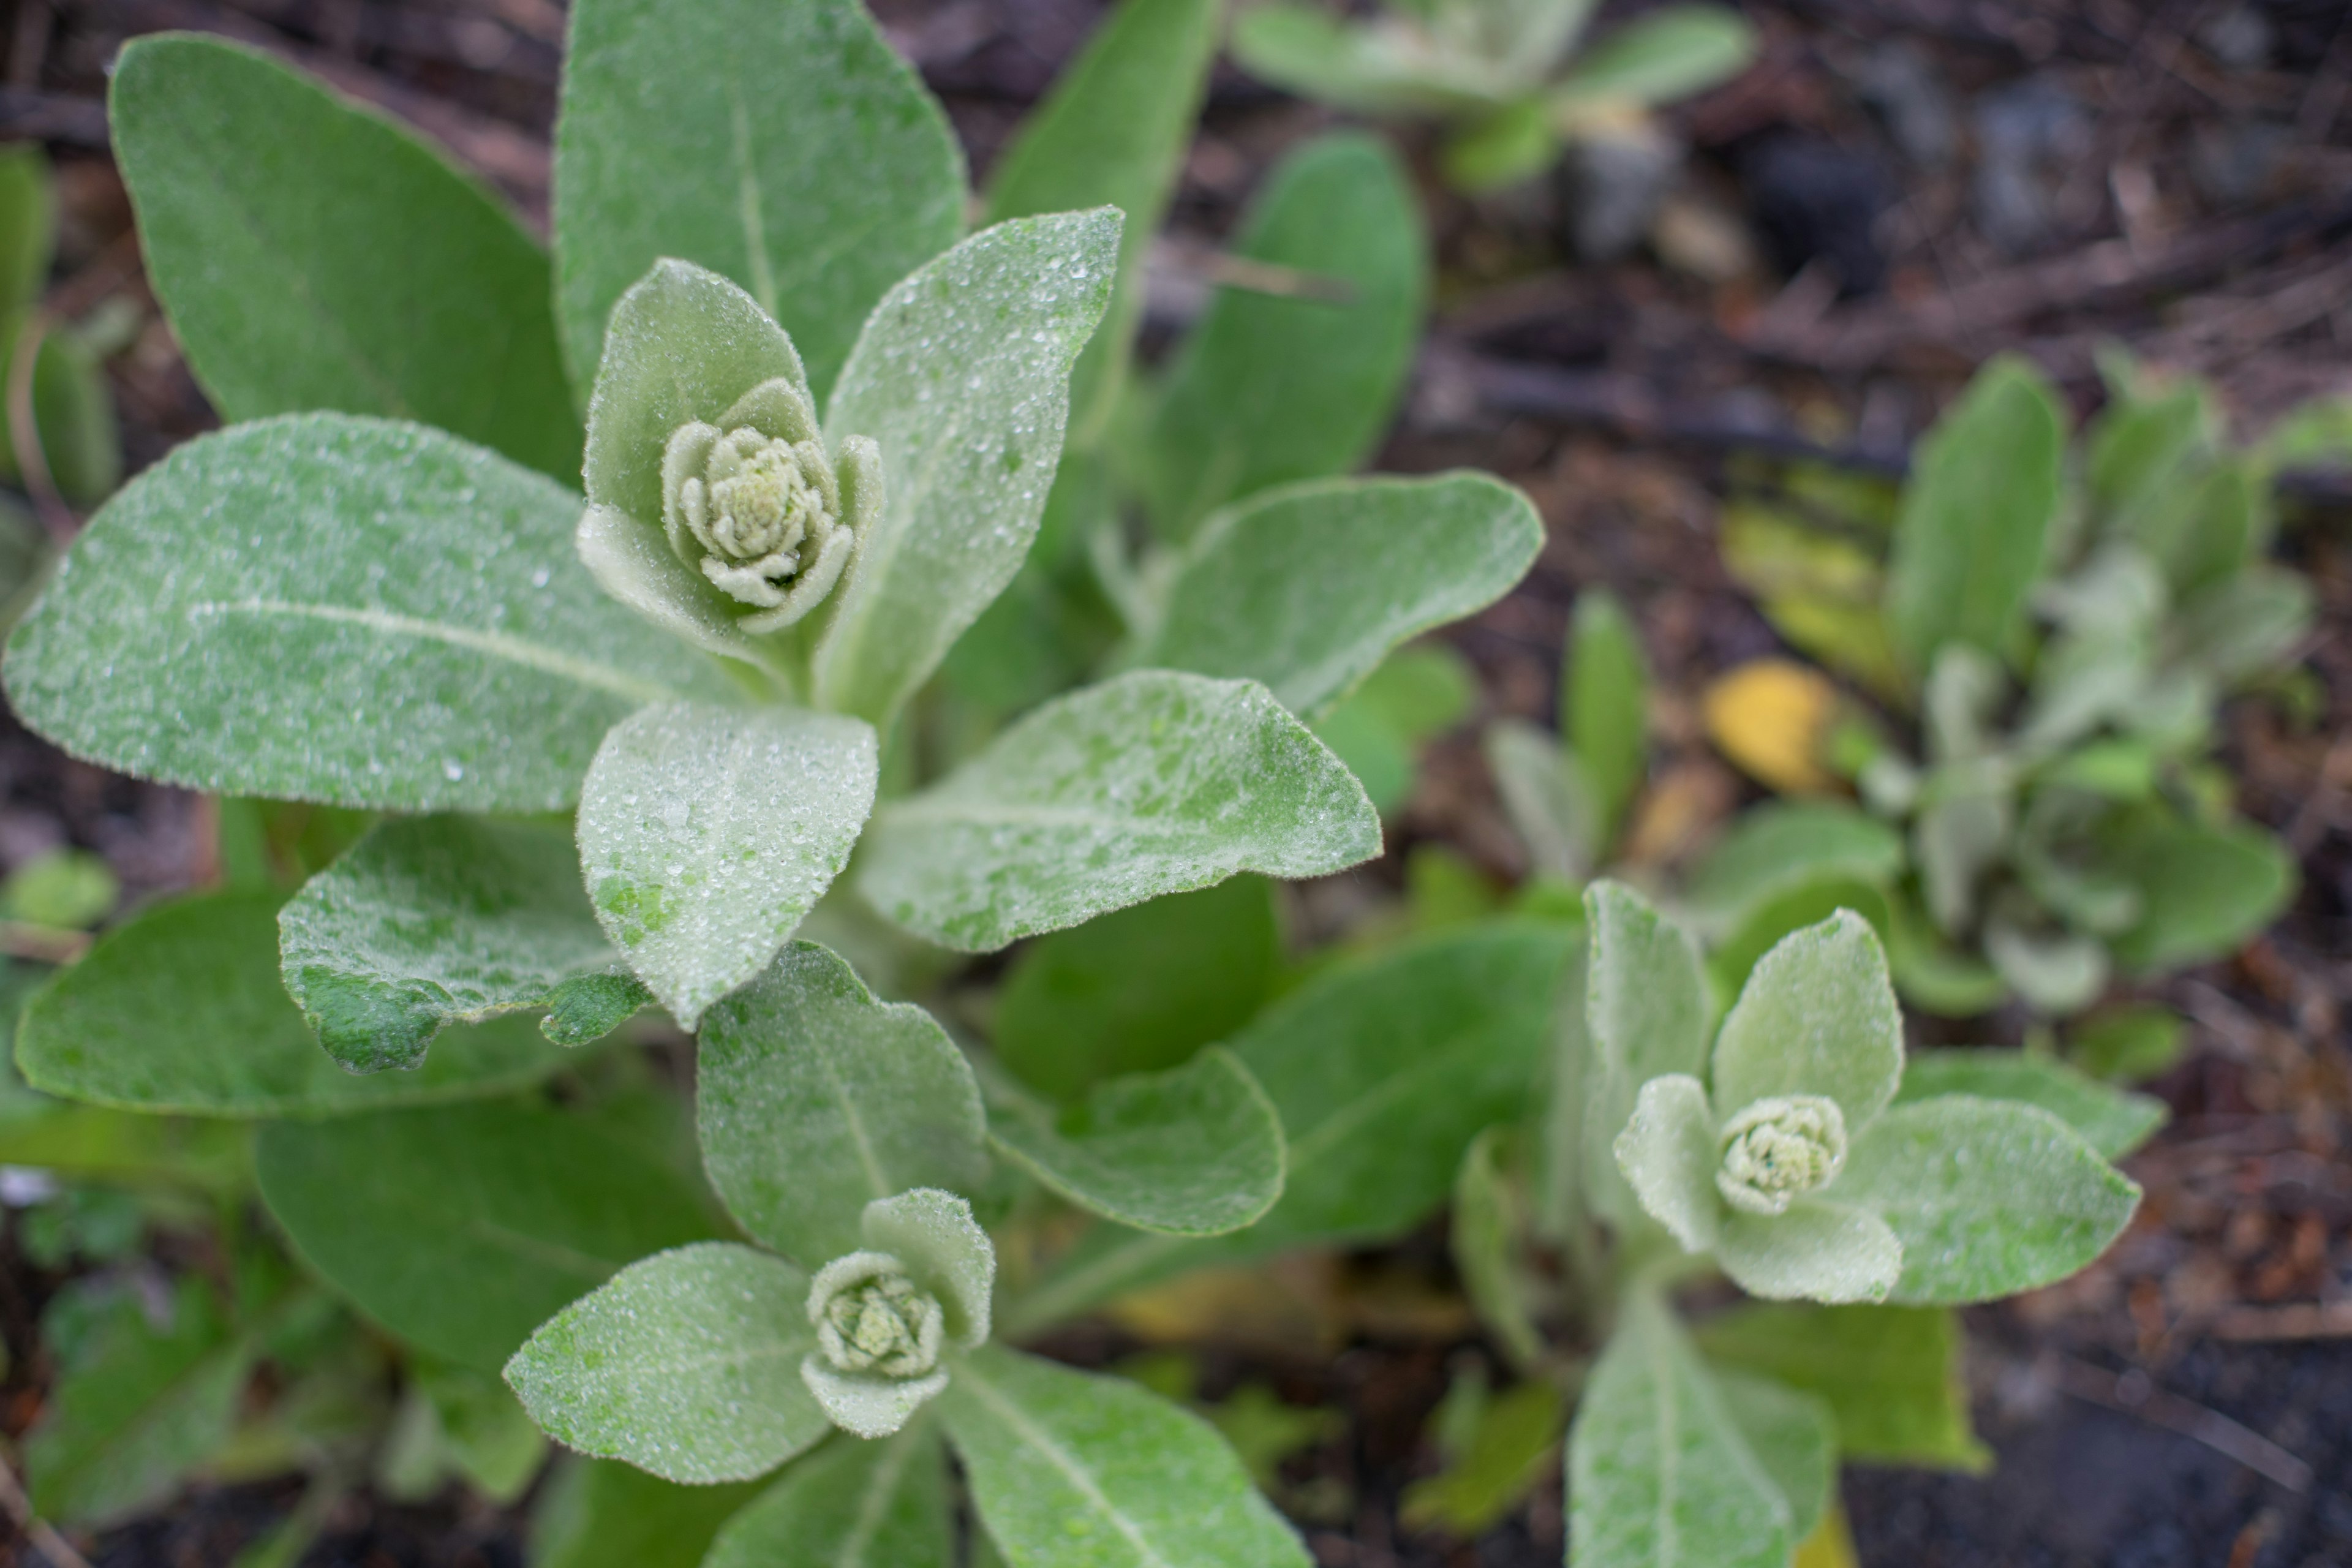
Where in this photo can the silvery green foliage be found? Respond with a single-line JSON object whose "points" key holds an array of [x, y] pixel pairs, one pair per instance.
{"points": [[1784, 1156], [2066, 624], [433, 921], [1510, 79], [1567, 795], [719, 1361]]}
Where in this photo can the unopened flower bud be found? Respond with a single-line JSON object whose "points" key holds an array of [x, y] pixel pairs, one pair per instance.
{"points": [[871, 1317], [1778, 1148]]}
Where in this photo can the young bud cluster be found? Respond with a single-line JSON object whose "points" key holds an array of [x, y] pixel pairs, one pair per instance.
{"points": [[871, 1317], [1778, 1149]]}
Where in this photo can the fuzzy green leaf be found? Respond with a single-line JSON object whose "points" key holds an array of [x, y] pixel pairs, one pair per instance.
{"points": [[1150, 784], [2203, 890], [785, 147], [1668, 1151], [463, 1228], [435, 921], [1193, 1151], [1272, 387], [1549, 797], [1383, 1071], [380, 616], [1604, 714], [1661, 56], [687, 1364], [599, 1513], [707, 834], [312, 255], [181, 1009], [1817, 1017], [1777, 844], [963, 377], [1307, 50], [813, 1099], [1792, 1435], [1647, 1014], [683, 344], [851, 1504], [1989, 1197], [136, 1405], [1660, 1475], [1113, 131], [2115, 1121], [28, 222], [1891, 1375], [1488, 1222], [1072, 1470], [1821, 1249], [1308, 588], [1982, 498], [1139, 989]]}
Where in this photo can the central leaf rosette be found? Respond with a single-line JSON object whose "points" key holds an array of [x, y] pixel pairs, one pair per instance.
{"points": [[869, 1316], [1778, 1150], [754, 504], [885, 1314]]}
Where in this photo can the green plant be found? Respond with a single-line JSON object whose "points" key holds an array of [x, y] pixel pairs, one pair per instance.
{"points": [[58, 395], [1782, 1141], [475, 814], [1569, 796], [1506, 75], [2057, 626]]}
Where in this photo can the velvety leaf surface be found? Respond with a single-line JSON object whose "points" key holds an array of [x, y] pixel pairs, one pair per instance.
{"points": [[813, 1099], [1890, 1374], [1549, 797], [1825, 1248], [851, 1504], [1484, 1229], [380, 616], [1383, 1071], [1659, 1474], [1781, 843], [1817, 1017], [1113, 131], [687, 1364], [1150, 784], [599, 1513], [434, 921], [462, 1228], [1308, 588], [963, 377], [1980, 502], [1137, 989], [1604, 704], [181, 1009], [2115, 1121], [1665, 54], [1990, 1197], [136, 1405], [1792, 1435], [1192, 1151], [683, 344], [1270, 388], [783, 145], [2203, 890], [313, 255], [1072, 1470], [708, 833], [1647, 1012], [1668, 1151]]}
